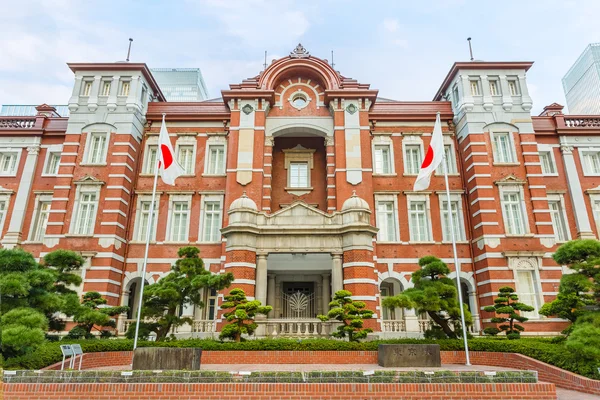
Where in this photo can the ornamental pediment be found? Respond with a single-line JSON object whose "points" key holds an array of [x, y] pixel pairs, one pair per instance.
{"points": [[89, 180], [300, 213], [510, 180]]}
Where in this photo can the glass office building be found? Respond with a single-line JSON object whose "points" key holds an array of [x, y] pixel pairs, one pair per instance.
{"points": [[582, 83], [181, 84]]}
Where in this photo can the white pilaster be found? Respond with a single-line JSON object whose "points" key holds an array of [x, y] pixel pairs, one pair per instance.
{"points": [[337, 275], [582, 220], [411, 319], [261, 278], [14, 234], [326, 296], [271, 290]]}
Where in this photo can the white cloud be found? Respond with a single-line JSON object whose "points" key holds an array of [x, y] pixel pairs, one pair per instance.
{"points": [[391, 25]]}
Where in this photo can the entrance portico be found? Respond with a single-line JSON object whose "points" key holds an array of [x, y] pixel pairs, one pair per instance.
{"points": [[299, 255]]}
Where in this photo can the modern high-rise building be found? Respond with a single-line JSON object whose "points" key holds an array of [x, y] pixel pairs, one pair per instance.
{"points": [[582, 82], [181, 84]]}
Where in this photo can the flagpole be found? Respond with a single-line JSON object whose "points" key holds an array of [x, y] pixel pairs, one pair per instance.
{"points": [[148, 234], [456, 264]]}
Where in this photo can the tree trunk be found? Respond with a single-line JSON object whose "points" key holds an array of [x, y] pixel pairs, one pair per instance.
{"points": [[443, 324]]}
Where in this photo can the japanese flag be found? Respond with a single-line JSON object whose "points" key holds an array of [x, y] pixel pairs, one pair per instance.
{"points": [[433, 157], [167, 166]]}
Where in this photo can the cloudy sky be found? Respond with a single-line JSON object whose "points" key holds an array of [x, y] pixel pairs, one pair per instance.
{"points": [[402, 48]]}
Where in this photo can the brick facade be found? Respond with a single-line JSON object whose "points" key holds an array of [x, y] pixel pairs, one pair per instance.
{"points": [[293, 144]]}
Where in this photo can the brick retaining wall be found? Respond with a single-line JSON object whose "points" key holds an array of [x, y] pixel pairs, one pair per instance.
{"points": [[288, 391], [546, 372]]}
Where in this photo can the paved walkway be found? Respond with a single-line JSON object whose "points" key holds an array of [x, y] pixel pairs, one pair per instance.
{"points": [[564, 394]]}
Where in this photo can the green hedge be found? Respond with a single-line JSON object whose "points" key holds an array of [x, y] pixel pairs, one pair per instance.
{"points": [[541, 349]]}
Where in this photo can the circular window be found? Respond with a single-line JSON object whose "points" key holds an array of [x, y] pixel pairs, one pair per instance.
{"points": [[299, 101]]}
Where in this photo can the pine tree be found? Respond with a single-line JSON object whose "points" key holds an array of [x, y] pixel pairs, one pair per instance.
{"points": [[240, 316], [507, 303], [351, 313], [90, 315]]}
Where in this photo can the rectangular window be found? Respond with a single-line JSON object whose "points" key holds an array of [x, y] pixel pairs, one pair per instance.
{"points": [[86, 89], [592, 162], [143, 95], [97, 148], [216, 160], [513, 87], [151, 162], [514, 221], [548, 167], [503, 148], [298, 175], [527, 292], [382, 160], [474, 88], [448, 161], [455, 95], [52, 164], [211, 302], [211, 231], [40, 221], [105, 88], [125, 88], [494, 88], [3, 209], [595, 210], [180, 221], [386, 221], [457, 221], [412, 159], [86, 214], [419, 226], [561, 231], [144, 217], [8, 163], [186, 158]]}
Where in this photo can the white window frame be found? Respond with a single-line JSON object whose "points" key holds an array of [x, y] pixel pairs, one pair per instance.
{"points": [[299, 154], [15, 168], [388, 198], [516, 264], [583, 154], [549, 150], [139, 234], [146, 167], [453, 169], [496, 83], [4, 198], [511, 142], [88, 150], [595, 204], [49, 152], [421, 198], [122, 84], [80, 191], [411, 140], [215, 141], [187, 141], [85, 84], [477, 87], [39, 199], [210, 198], [103, 84], [560, 199], [381, 141], [515, 81], [454, 197], [175, 198], [506, 189]]}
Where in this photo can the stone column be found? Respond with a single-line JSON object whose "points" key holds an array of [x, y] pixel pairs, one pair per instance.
{"points": [[475, 314], [582, 219], [14, 234], [271, 293], [93, 98], [412, 322], [261, 278], [326, 295], [261, 290], [337, 275]]}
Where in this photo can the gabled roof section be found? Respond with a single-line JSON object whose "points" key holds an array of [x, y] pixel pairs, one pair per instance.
{"points": [[479, 65], [121, 66]]}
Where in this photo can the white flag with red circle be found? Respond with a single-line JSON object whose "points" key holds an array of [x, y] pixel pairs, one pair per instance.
{"points": [[168, 167], [433, 157]]}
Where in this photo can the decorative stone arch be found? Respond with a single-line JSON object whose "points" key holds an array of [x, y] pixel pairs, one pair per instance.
{"points": [[307, 86], [296, 65], [406, 284], [105, 127], [501, 126], [469, 279]]}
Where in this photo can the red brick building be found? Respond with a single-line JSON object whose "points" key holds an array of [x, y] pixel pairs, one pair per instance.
{"points": [[299, 182]]}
